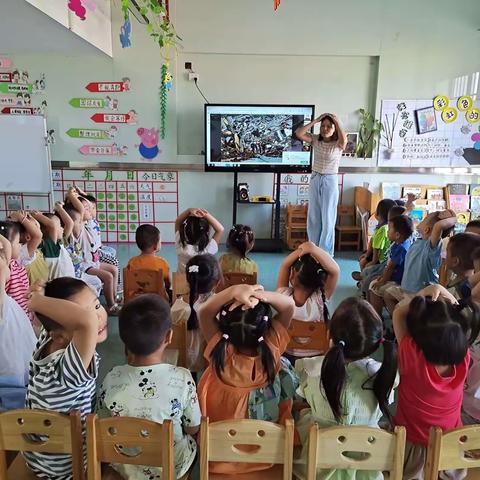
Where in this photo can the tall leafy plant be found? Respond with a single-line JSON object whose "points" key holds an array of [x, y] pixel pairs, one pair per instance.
{"points": [[370, 130]]}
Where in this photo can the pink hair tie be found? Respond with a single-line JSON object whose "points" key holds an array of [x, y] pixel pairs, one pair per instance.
{"points": [[382, 341]]}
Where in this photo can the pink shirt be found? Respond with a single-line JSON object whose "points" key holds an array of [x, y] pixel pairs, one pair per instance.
{"points": [[426, 399], [17, 286]]}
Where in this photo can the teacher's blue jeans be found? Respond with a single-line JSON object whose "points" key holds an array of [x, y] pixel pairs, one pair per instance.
{"points": [[322, 211]]}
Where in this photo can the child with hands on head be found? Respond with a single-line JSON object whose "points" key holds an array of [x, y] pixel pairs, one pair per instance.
{"points": [[192, 235], [17, 341], [91, 264], [309, 275], [434, 333], [241, 239], [347, 386], [54, 228], [64, 368], [244, 348]]}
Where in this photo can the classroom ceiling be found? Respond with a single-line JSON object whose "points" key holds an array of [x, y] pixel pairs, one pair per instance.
{"points": [[25, 29]]}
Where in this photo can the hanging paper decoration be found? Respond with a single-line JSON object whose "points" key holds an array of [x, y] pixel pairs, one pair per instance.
{"points": [[165, 85], [93, 133], [123, 86], [6, 77], [125, 32], [107, 102], [103, 150], [148, 147], [130, 117], [22, 110], [276, 4], [76, 7]]}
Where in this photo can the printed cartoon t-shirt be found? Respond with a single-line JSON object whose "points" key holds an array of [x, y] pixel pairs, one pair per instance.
{"points": [[156, 392]]}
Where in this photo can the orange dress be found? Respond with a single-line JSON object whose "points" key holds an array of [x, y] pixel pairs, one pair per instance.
{"points": [[227, 398]]}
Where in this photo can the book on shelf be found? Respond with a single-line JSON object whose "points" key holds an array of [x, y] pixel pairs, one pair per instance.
{"points": [[475, 189], [434, 193], [474, 207], [390, 190], [459, 203], [417, 215], [436, 205], [457, 188], [417, 191]]}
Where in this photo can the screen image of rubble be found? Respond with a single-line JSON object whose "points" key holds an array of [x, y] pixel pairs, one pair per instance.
{"points": [[258, 138]]}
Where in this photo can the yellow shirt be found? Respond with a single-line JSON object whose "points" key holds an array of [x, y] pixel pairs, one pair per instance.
{"points": [[38, 269], [231, 263]]}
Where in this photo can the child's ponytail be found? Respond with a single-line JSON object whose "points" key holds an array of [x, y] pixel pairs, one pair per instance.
{"points": [[385, 377], [218, 355], [333, 376], [192, 322], [268, 361], [203, 274]]}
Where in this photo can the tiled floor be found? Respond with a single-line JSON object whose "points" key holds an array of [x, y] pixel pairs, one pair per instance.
{"points": [[112, 351]]}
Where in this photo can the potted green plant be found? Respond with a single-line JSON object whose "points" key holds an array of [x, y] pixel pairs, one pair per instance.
{"points": [[369, 131]]}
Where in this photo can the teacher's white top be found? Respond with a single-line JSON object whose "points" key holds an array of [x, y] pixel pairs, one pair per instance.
{"points": [[326, 156]]}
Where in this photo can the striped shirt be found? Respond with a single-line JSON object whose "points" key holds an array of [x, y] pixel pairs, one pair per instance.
{"points": [[17, 286], [326, 156], [59, 382]]}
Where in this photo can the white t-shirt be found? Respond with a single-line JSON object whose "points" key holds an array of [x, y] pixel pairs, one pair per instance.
{"points": [[61, 266], [185, 253], [17, 342], [310, 311], [155, 392]]}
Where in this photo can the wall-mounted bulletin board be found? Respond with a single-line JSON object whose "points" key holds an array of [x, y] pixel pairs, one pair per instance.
{"points": [[126, 199], [442, 132]]}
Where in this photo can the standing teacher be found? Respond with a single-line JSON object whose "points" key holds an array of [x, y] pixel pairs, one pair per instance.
{"points": [[328, 146]]}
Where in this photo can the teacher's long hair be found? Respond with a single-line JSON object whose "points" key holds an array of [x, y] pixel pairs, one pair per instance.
{"points": [[335, 133]]}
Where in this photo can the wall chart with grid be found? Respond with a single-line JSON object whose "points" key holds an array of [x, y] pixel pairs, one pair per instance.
{"points": [[126, 199]]}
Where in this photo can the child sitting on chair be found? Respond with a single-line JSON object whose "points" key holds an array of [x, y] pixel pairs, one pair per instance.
{"points": [[240, 242], [149, 243], [309, 275], [148, 388]]}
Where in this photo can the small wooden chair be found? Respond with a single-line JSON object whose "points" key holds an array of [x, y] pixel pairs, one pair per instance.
{"points": [[449, 451], [272, 444], [178, 347], [107, 437], [61, 433], [237, 278], [138, 282], [308, 336], [327, 447], [347, 235], [180, 286]]}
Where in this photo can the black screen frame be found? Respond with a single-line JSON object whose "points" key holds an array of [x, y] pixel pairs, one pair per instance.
{"points": [[266, 168]]}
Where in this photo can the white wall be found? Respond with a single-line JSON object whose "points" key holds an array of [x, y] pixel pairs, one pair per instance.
{"points": [[340, 56]]}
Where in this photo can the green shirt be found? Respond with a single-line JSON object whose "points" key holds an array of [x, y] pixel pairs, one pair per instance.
{"points": [[381, 242], [49, 248]]}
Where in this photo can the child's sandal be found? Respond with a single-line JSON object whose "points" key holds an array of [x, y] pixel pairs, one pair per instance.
{"points": [[114, 310]]}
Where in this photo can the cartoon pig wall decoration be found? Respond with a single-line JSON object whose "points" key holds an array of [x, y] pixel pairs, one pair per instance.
{"points": [[148, 147]]}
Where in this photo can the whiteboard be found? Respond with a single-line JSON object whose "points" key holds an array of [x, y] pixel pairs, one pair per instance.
{"points": [[24, 154], [450, 145]]}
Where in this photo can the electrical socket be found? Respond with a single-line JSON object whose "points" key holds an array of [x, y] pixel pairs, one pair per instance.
{"points": [[193, 76], [188, 65]]}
